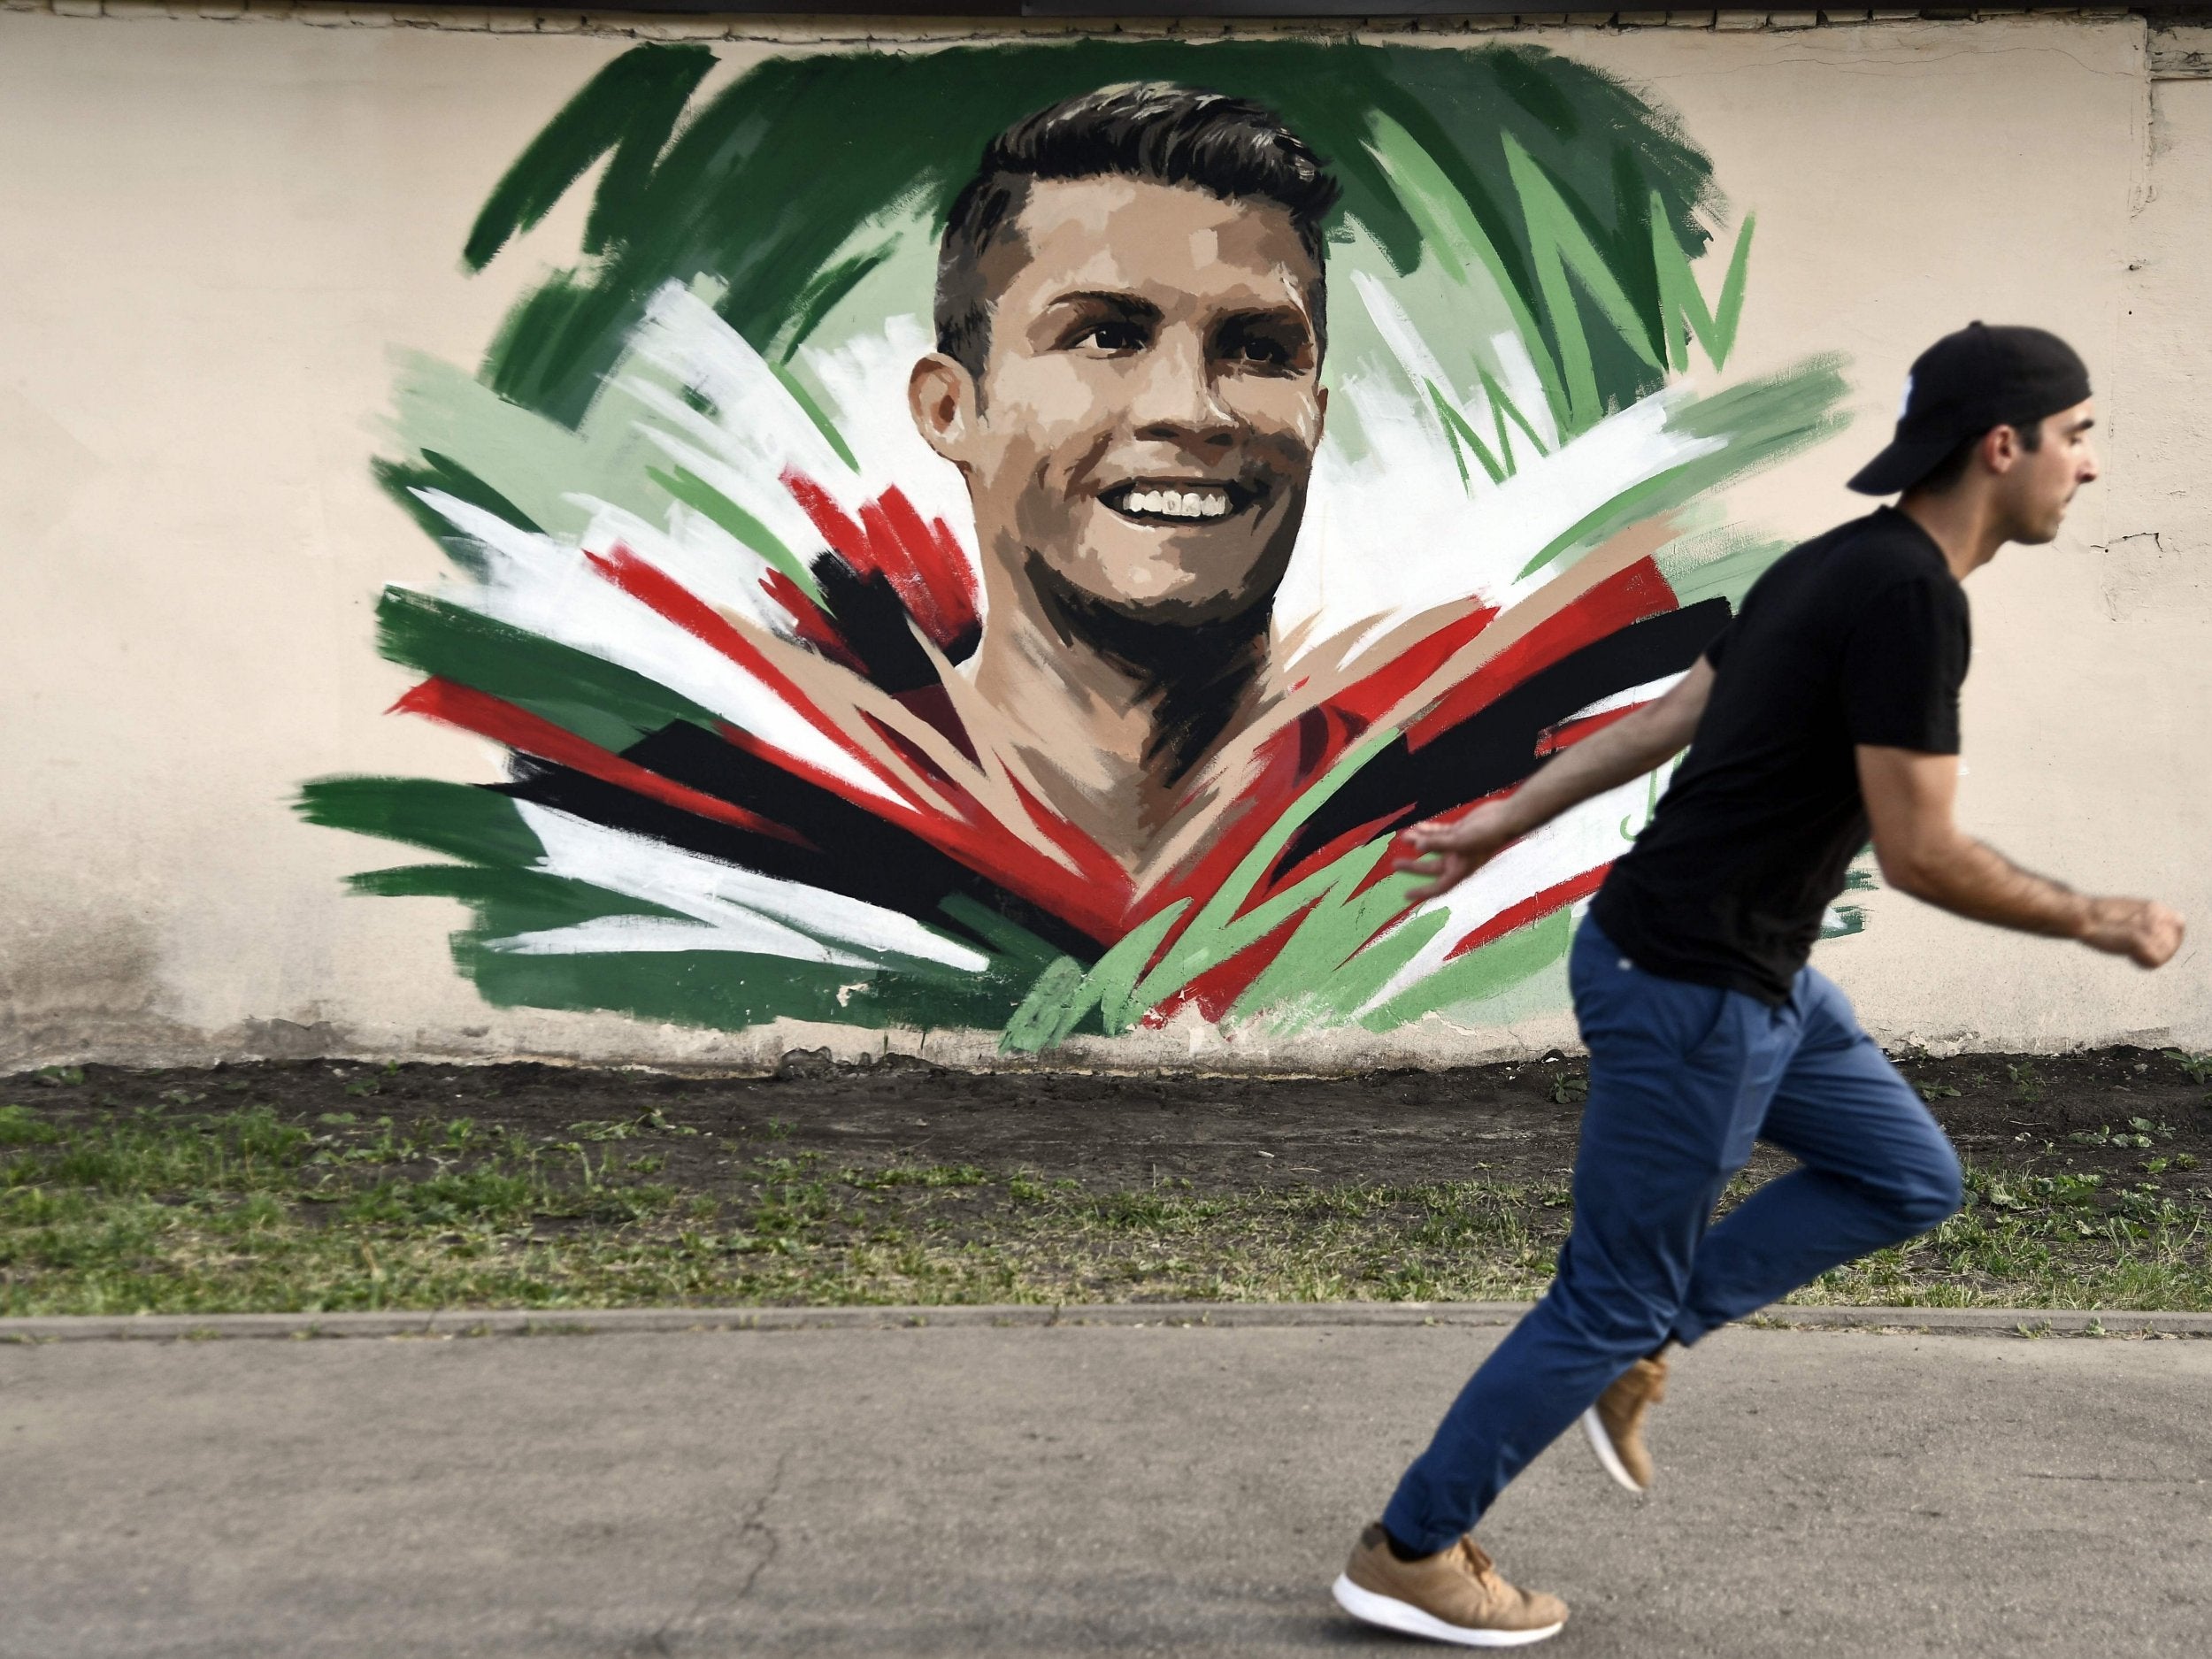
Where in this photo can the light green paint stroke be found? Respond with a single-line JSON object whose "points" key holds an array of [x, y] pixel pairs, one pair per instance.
{"points": [[1363, 978], [1558, 245], [1716, 564], [830, 284], [1219, 931], [1059, 1002], [1482, 972], [1757, 422], [1452, 236], [813, 411], [1682, 304], [1502, 408], [695, 492], [548, 472], [1334, 998], [1462, 438], [1307, 977], [1051, 1011], [1499, 463]]}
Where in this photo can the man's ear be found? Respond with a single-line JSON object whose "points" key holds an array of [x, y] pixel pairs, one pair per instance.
{"points": [[940, 394], [2000, 448]]}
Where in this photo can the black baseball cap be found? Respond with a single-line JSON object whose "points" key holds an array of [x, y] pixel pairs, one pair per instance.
{"points": [[1982, 376]]}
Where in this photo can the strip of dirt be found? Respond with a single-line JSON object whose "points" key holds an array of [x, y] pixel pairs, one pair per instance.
{"points": [[325, 1185]]}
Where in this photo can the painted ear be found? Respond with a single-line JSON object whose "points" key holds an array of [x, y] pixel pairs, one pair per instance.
{"points": [[940, 394]]}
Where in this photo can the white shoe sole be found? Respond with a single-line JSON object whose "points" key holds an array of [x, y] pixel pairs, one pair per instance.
{"points": [[1402, 1616], [1601, 1443]]}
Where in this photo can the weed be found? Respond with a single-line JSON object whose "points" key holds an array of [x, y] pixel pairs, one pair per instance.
{"points": [[2103, 1136], [1933, 1092], [19, 1128], [1568, 1088], [2026, 1081], [61, 1076], [2198, 1066]]}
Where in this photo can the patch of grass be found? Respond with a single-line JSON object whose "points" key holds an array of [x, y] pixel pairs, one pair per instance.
{"points": [[169, 1209]]}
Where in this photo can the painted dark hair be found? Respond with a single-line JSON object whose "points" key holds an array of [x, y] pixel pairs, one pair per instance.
{"points": [[1152, 130]]}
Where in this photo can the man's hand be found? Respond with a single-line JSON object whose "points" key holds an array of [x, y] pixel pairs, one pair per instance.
{"points": [[1909, 801], [1452, 852], [1629, 748], [2142, 930]]}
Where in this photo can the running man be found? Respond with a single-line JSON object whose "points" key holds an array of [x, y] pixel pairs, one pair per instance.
{"points": [[1827, 708]]}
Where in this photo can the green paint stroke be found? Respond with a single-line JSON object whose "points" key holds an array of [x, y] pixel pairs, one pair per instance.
{"points": [[760, 186], [695, 492], [630, 107], [462, 820], [1485, 972], [1755, 425], [598, 700]]}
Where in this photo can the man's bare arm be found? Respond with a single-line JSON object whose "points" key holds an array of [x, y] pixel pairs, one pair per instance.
{"points": [[1910, 798], [1629, 748]]}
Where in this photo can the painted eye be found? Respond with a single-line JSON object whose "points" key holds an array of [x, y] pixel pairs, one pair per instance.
{"points": [[1113, 337], [1258, 349], [1267, 345]]}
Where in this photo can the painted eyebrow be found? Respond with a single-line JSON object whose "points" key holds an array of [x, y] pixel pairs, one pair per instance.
{"points": [[1291, 314], [1132, 307]]}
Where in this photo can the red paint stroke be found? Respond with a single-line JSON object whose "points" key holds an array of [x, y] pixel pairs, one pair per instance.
{"points": [[1567, 733], [934, 705], [923, 562], [1369, 699], [451, 703], [810, 621], [1215, 992], [1534, 907], [1628, 595]]}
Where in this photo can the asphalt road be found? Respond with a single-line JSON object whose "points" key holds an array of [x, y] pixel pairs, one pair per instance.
{"points": [[1072, 1490]]}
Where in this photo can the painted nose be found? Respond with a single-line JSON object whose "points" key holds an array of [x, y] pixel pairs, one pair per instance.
{"points": [[1176, 401]]}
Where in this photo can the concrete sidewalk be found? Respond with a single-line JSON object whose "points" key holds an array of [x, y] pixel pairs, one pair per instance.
{"points": [[1072, 1490]]}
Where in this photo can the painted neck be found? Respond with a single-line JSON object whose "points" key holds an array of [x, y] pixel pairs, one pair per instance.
{"points": [[1112, 712]]}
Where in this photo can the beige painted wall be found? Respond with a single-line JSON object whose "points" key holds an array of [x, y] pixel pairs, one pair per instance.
{"points": [[215, 233]]}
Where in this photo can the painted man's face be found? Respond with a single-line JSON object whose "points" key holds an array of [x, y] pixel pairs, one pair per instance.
{"points": [[1145, 424]]}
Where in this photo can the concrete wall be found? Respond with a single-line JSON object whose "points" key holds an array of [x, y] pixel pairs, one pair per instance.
{"points": [[218, 232]]}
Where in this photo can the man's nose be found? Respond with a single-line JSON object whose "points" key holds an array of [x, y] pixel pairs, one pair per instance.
{"points": [[1175, 398]]}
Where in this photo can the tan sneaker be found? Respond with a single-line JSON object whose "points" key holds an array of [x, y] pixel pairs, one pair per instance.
{"points": [[1455, 1596], [1616, 1423]]}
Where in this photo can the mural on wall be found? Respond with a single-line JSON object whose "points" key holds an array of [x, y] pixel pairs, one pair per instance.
{"points": [[1005, 537]]}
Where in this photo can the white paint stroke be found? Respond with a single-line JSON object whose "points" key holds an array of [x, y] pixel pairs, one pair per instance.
{"points": [[543, 587], [732, 908], [1595, 832], [1650, 691]]}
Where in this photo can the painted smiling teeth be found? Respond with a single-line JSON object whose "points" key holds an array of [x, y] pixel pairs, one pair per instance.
{"points": [[1179, 503]]}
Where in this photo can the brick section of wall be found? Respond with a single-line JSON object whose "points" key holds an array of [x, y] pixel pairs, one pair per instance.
{"points": [[2185, 63]]}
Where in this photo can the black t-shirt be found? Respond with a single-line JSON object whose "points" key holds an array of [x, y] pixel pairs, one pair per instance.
{"points": [[1860, 636]]}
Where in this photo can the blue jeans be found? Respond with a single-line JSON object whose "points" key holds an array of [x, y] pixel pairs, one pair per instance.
{"points": [[1682, 1080]]}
